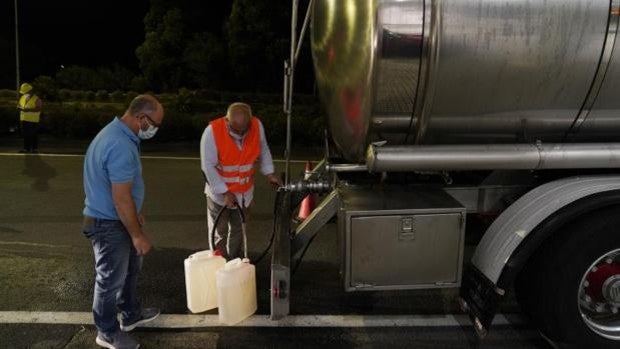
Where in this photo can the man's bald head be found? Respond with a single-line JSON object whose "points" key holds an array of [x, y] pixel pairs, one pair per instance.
{"points": [[238, 116]]}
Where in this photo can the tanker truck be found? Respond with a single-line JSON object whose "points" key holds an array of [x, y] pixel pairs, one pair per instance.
{"points": [[440, 112]]}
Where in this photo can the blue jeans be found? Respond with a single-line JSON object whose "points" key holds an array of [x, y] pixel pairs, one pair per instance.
{"points": [[117, 265]]}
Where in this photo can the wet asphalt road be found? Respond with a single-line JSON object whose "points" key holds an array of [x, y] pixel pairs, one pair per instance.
{"points": [[47, 265]]}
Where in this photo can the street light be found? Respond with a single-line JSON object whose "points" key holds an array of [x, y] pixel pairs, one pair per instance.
{"points": [[17, 79]]}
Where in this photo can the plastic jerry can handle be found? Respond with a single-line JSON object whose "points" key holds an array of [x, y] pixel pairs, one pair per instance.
{"points": [[202, 254], [233, 264]]}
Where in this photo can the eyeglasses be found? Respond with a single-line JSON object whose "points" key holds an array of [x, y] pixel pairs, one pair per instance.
{"points": [[150, 121]]}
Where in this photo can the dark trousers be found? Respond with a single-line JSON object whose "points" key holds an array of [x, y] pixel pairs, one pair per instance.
{"points": [[117, 265], [229, 232], [30, 132]]}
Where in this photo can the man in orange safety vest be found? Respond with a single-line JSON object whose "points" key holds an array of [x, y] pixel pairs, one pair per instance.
{"points": [[230, 148]]}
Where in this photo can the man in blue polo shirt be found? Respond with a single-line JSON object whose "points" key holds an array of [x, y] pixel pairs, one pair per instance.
{"points": [[112, 220]]}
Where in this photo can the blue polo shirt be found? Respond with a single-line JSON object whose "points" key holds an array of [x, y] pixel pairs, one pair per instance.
{"points": [[112, 157]]}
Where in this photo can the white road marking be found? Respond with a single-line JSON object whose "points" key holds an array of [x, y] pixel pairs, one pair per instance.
{"points": [[44, 155], [198, 321], [32, 244], [150, 157]]}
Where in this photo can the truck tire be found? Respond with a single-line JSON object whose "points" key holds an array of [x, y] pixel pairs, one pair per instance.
{"points": [[570, 288]]}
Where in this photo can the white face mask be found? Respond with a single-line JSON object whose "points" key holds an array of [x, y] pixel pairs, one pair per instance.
{"points": [[149, 133]]}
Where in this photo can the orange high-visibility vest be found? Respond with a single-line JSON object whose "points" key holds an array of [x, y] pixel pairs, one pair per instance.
{"points": [[236, 166]]}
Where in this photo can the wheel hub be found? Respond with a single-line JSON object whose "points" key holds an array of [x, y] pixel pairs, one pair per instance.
{"points": [[599, 296], [611, 289], [603, 282]]}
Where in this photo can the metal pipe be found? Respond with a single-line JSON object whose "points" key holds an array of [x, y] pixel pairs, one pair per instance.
{"points": [[289, 92], [309, 186], [281, 257], [304, 27], [492, 157], [346, 168], [285, 88], [487, 124], [316, 171]]}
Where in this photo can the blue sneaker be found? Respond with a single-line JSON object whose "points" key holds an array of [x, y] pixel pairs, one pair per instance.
{"points": [[147, 314], [117, 340]]}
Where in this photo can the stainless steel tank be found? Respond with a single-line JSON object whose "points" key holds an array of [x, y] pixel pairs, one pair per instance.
{"points": [[467, 71]]}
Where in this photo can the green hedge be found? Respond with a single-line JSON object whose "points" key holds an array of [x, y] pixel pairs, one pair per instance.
{"points": [[82, 120], [8, 94]]}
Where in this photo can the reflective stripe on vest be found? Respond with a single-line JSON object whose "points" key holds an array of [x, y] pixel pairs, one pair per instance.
{"points": [[236, 166], [26, 102], [237, 179], [233, 168]]}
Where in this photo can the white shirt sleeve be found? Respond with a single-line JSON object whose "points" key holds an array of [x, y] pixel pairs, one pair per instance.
{"points": [[265, 159], [208, 161]]}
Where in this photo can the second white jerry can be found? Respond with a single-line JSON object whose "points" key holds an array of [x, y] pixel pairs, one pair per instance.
{"points": [[236, 287]]}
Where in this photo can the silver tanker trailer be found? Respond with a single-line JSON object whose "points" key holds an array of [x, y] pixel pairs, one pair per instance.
{"points": [[441, 112]]}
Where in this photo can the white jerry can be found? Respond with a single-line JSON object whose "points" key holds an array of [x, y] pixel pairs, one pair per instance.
{"points": [[200, 286], [236, 287]]}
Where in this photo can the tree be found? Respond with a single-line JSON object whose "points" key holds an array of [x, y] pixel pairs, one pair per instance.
{"points": [[103, 78], [257, 33], [115, 78], [237, 45], [161, 53], [45, 87], [139, 83], [205, 59], [79, 78]]}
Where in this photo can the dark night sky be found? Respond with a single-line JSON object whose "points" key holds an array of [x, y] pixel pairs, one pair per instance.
{"points": [[91, 33], [94, 33]]}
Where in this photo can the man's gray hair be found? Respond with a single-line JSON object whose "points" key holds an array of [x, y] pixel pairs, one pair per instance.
{"points": [[143, 104], [244, 107]]}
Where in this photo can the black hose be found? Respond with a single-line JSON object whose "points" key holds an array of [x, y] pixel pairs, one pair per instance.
{"points": [[217, 220], [242, 216], [273, 227]]}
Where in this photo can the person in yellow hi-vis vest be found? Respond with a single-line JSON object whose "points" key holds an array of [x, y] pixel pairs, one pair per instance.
{"points": [[29, 106]]}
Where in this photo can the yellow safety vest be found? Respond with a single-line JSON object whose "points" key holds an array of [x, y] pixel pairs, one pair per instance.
{"points": [[26, 102]]}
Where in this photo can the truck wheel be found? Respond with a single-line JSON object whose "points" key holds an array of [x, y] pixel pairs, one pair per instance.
{"points": [[571, 286]]}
